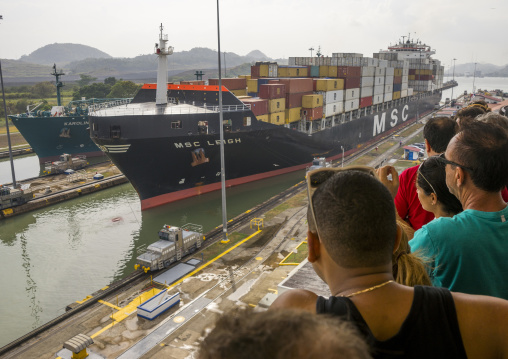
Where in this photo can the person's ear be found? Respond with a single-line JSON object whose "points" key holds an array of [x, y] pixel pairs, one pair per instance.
{"points": [[433, 197], [460, 176], [398, 238], [314, 246]]}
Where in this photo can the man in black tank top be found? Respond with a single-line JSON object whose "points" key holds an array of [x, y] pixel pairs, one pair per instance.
{"points": [[352, 235]]}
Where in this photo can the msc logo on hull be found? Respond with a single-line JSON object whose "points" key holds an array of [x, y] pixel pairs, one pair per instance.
{"points": [[380, 122]]}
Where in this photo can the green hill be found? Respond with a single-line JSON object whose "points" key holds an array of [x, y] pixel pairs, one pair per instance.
{"points": [[62, 54]]}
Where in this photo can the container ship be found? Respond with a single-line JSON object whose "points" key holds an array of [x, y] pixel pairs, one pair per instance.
{"points": [[63, 129], [275, 120]]}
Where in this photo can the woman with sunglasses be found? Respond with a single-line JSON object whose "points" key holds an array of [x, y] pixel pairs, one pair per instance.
{"points": [[432, 190]]}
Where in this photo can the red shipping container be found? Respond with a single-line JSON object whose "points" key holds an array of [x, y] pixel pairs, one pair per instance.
{"points": [[315, 113], [274, 81], [351, 82], [397, 79], [295, 99], [258, 106], [349, 71], [271, 91], [298, 85], [365, 101], [254, 72], [412, 71], [230, 83]]}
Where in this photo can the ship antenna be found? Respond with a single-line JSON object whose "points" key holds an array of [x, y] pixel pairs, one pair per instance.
{"points": [[221, 127]]}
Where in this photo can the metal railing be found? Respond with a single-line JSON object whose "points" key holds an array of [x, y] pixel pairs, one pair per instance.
{"points": [[109, 104], [174, 107]]}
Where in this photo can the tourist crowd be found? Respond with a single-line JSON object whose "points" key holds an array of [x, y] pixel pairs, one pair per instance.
{"points": [[417, 264]]}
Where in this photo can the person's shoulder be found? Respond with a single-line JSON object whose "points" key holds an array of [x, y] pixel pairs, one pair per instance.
{"points": [[296, 299], [409, 172]]}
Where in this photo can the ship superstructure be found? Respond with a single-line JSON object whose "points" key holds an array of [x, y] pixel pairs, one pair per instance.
{"points": [[276, 120]]}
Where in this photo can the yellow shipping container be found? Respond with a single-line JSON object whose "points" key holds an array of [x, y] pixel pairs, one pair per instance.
{"points": [[247, 77], [312, 101], [277, 118], [293, 114], [329, 84], [283, 71], [411, 77], [286, 71], [263, 70], [397, 72], [252, 85], [239, 92], [332, 71], [276, 105], [263, 118], [323, 70], [396, 95]]}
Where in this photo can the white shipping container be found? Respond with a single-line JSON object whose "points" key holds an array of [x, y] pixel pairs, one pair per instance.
{"points": [[405, 71], [367, 81], [388, 80], [388, 96], [292, 61], [333, 109], [368, 71], [366, 91], [352, 105], [377, 99], [410, 92], [380, 71], [404, 86], [383, 63], [388, 88], [403, 93], [352, 94], [272, 70], [379, 80], [333, 96], [389, 71], [405, 78], [379, 90]]}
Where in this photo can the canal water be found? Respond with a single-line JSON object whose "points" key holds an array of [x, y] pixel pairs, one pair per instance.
{"points": [[55, 256]]}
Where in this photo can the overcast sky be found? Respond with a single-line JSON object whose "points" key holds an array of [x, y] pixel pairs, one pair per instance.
{"points": [[470, 31]]}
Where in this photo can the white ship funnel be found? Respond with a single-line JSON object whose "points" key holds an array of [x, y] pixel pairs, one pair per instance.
{"points": [[162, 50]]}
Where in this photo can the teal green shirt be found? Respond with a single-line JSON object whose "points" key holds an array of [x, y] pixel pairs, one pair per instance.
{"points": [[467, 253]]}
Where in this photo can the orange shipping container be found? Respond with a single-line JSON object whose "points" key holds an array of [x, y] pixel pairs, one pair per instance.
{"points": [[298, 85], [276, 105], [312, 113], [230, 83], [258, 106], [271, 91], [312, 101]]}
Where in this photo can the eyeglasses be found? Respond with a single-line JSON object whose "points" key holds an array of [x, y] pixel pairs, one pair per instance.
{"points": [[443, 159], [317, 177], [421, 174]]}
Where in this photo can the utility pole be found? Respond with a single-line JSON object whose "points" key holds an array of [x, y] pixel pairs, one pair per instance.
{"points": [[311, 49], [474, 78], [7, 124], [453, 78]]}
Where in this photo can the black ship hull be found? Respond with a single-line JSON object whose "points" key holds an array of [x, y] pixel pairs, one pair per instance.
{"points": [[166, 164]]}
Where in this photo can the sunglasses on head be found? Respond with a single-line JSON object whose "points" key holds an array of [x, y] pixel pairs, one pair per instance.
{"points": [[426, 180], [317, 177], [443, 159]]}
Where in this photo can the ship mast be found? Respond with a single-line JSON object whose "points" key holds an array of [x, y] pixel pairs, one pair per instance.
{"points": [[161, 96], [58, 84]]}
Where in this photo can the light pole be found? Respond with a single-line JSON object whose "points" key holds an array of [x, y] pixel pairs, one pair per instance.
{"points": [[311, 51], [342, 147], [453, 76], [474, 78]]}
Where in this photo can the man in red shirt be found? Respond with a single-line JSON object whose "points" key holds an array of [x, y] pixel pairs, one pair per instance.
{"points": [[438, 131]]}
